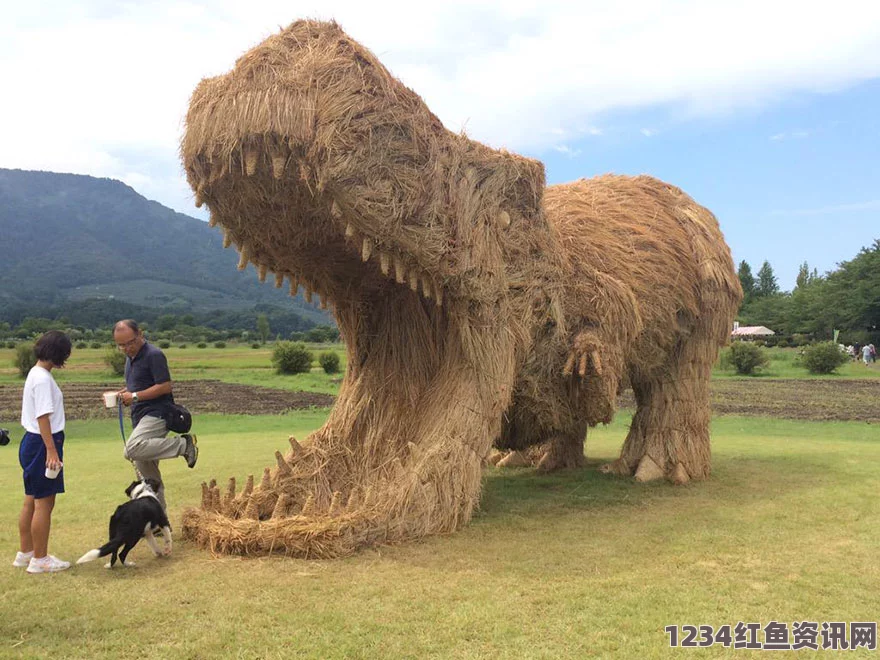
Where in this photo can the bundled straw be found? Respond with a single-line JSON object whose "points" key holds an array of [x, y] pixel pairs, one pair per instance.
{"points": [[475, 307]]}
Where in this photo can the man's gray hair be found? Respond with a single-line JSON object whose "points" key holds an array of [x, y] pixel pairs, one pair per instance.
{"points": [[131, 324]]}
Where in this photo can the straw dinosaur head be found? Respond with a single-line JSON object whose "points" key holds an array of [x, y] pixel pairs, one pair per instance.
{"points": [[323, 168]]}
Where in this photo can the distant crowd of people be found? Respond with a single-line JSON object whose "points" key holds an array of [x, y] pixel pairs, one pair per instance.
{"points": [[867, 353]]}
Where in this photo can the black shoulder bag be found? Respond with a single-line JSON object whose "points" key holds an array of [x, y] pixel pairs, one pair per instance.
{"points": [[178, 418]]}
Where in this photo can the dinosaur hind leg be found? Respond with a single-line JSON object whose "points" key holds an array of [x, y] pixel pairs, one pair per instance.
{"points": [[669, 435]]}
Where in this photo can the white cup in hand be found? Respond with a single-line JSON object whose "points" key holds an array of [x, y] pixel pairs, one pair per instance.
{"points": [[52, 473], [109, 399]]}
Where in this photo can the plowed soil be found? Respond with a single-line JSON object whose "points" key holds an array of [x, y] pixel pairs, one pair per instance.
{"points": [[787, 399], [83, 400]]}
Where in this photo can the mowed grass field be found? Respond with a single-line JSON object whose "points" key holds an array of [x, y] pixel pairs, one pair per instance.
{"points": [[239, 363], [575, 565]]}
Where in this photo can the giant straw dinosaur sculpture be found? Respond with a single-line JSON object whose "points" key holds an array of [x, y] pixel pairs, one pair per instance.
{"points": [[476, 304]]}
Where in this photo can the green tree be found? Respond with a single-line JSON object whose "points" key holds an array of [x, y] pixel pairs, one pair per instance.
{"points": [[166, 322], [767, 284], [746, 279], [803, 276], [854, 291], [291, 358], [25, 358], [263, 327]]}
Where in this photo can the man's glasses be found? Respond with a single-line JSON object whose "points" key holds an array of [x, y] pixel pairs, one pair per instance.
{"points": [[128, 344]]}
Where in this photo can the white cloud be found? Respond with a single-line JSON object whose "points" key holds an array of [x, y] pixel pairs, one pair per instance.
{"points": [[99, 84], [793, 135], [567, 151], [648, 132]]}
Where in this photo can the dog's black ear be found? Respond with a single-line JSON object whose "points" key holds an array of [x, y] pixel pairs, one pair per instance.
{"points": [[131, 487], [154, 484]]}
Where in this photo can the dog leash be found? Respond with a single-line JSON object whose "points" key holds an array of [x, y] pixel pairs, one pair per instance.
{"points": [[122, 433]]}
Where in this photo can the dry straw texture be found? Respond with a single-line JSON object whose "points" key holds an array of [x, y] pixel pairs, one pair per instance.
{"points": [[475, 305]]}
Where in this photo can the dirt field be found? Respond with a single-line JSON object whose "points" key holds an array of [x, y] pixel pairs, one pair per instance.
{"points": [[83, 400], [816, 400], [787, 399]]}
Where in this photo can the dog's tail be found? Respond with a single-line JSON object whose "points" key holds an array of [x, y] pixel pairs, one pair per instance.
{"points": [[103, 551]]}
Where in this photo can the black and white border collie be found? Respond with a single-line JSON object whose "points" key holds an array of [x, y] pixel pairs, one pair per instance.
{"points": [[138, 518]]}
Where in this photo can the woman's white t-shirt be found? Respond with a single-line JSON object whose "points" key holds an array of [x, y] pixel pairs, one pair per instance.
{"points": [[41, 396]]}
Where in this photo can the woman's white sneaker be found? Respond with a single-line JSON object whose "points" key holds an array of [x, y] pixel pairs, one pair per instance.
{"points": [[47, 564], [22, 559]]}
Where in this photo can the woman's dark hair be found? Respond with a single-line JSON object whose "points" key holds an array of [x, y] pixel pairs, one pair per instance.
{"points": [[54, 347]]}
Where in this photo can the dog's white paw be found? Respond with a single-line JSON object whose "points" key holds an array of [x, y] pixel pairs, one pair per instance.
{"points": [[108, 565], [129, 564]]}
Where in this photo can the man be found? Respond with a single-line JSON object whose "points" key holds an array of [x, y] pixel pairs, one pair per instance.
{"points": [[148, 392]]}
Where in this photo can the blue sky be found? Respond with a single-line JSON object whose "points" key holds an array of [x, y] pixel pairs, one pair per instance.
{"points": [[765, 112], [797, 181]]}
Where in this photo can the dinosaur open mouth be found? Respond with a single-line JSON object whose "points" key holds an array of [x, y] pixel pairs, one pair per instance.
{"points": [[286, 222]]}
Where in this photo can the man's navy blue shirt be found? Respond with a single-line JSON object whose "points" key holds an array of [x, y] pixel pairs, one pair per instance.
{"points": [[149, 367]]}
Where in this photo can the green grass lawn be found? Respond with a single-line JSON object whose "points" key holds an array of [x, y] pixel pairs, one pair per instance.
{"points": [[239, 363], [784, 364], [235, 364], [573, 565]]}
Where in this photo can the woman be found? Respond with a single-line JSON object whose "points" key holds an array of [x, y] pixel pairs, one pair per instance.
{"points": [[42, 450]]}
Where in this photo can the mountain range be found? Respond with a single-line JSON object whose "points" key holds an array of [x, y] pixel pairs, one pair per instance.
{"points": [[69, 241]]}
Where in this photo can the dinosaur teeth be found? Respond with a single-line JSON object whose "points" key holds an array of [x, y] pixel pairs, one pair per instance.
{"points": [[414, 280], [279, 280], [366, 249], [294, 286], [278, 163], [349, 231], [227, 239], [283, 467], [336, 212], [323, 304], [243, 260], [399, 270], [309, 293], [504, 219], [438, 290], [200, 197], [252, 510], [261, 272], [353, 499], [212, 220], [426, 287], [281, 506], [250, 161], [266, 483], [336, 504], [309, 506], [384, 262]]}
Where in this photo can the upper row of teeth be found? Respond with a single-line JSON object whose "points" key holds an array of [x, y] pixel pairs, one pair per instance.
{"points": [[417, 282]]}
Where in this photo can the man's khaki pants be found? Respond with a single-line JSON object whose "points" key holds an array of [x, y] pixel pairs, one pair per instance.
{"points": [[148, 444]]}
